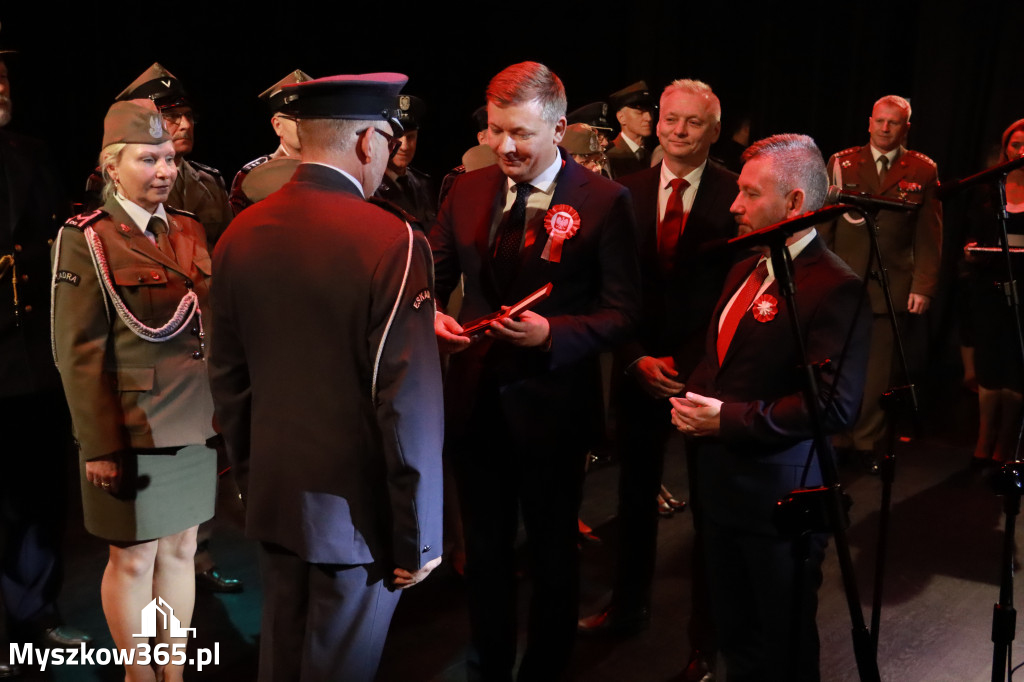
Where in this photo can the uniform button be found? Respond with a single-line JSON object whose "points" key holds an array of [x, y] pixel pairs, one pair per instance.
{"points": [[28, 309], [197, 355], [188, 283], [426, 548], [17, 247], [195, 331], [49, 242], [141, 278]]}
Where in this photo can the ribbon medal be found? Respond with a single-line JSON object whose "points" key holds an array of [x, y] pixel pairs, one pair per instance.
{"points": [[561, 223], [765, 308]]}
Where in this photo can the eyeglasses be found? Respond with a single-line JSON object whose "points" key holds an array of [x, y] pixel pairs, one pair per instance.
{"points": [[393, 142], [174, 117]]}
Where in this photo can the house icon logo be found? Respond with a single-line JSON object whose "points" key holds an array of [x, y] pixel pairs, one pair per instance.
{"points": [[158, 611]]}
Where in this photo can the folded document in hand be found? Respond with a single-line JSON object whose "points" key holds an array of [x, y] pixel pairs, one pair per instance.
{"points": [[480, 325]]}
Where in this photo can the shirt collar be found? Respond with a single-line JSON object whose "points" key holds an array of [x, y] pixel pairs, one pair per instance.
{"points": [[343, 172], [545, 182], [139, 215], [878, 153], [693, 177], [795, 249]]}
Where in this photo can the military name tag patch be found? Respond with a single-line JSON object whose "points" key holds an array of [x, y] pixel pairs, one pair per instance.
{"points": [[69, 277], [423, 295]]}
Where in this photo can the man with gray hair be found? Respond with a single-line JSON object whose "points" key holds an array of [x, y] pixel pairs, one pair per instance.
{"points": [[748, 425], [681, 206], [337, 448], [910, 242], [524, 403]]}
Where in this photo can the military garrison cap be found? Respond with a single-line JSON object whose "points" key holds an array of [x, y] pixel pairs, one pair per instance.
{"points": [[362, 97], [273, 95], [580, 139], [158, 84], [134, 122], [636, 95]]}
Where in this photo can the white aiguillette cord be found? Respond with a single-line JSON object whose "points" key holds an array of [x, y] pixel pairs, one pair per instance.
{"points": [[187, 308]]}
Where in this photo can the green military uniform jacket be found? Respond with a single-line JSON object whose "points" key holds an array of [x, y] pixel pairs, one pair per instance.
{"points": [[911, 243], [126, 393]]}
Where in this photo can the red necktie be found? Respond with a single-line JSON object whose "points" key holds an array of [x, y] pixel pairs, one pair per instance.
{"points": [[672, 222], [742, 302]]}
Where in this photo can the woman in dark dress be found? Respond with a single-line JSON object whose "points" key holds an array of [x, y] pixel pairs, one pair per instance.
{"points": [[998, 363], [130, 282]]}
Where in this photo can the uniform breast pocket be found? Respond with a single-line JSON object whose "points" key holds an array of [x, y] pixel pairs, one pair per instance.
{"points": [[142, 288]]}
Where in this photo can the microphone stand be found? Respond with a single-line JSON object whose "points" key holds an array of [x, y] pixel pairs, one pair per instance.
{"points": [[829, 497], [896, 401], [1008, 481]]}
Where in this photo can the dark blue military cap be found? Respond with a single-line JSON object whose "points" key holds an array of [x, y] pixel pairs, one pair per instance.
{"points": [[362, 97]]}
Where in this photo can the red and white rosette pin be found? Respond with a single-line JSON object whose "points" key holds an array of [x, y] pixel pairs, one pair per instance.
{"points": [[561, 223], [765, 308]]}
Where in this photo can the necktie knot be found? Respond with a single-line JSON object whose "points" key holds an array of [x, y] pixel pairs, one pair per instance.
{"points": [[678, 184], [157, 226]]}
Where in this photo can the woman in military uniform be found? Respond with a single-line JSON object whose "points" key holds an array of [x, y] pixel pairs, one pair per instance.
{"points": [[130, 283]]}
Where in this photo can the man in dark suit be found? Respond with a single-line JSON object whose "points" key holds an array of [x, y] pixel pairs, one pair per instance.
{"points": [[682, 207], [335, 428], [745, 410], [523, 404], [634, 110], [34, 420], [911, 246]]}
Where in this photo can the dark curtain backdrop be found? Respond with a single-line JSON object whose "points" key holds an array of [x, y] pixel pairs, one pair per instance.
{"points": [[813, 68]]}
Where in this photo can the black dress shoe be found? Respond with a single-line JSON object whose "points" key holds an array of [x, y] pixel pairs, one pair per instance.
{"points": [[613, 622], [212, 581], [10, 670], [65, 636]]}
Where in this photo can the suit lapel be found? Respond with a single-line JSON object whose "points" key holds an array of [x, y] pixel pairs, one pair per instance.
{"points": [[802, 267], [707, 192]]}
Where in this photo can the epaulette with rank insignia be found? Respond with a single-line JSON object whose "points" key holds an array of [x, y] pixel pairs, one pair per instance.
{"points": [[203, 167], [84, 220], [851, 150], [393, 209], [255, 162], [178, 211], [922, 157]]}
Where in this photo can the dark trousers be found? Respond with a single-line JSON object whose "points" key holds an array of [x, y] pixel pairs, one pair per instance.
{"points": [[764, 600], [643, 429], [321, 622], [500, 477], [33, 506], [643, 426]]}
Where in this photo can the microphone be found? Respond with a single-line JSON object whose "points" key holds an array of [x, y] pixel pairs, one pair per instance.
{"points": [[867, 201], [988, 175], [786, 228]]}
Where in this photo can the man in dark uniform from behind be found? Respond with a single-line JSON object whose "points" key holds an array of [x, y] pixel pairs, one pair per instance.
{"points": [[336, 430], [635, 111], [256, 180], [404, 186], [33, 486]]}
